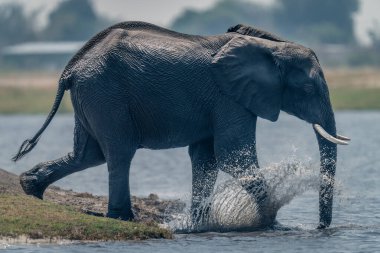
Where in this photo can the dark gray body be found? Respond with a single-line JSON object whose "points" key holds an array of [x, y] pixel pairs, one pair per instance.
{"points": [[150, 71], [136, 85]]}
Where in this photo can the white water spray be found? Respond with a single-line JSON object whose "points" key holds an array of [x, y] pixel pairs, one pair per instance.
{"points": [[232, 208]]}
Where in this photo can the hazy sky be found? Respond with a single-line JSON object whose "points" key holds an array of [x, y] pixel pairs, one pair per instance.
{"points": [[162, 12]]}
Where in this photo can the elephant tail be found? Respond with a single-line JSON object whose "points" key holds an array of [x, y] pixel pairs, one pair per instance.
{"points": [[29, 144]]}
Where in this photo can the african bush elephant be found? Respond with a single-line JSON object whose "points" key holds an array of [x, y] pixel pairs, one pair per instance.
{"points": [[136, 85]]}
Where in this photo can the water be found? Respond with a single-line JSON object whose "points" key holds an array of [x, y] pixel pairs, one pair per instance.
{"points": [[356, 217], [232, 208]]}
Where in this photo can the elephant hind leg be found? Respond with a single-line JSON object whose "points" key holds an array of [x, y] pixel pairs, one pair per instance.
{"points": [[119, 143], [112, 124], [86, 153], [119, 162]]}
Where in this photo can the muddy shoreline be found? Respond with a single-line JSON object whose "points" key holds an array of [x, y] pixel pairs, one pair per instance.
{"points": [[147, 209]]}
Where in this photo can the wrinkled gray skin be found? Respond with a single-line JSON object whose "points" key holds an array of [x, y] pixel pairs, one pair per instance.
{"points": [[137, 85]]}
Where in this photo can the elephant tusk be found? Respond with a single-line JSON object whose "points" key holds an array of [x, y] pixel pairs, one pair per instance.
{"points": [[343, 138], [327, 136]]}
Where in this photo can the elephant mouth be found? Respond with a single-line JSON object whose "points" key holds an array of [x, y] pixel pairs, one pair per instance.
{"points": [[339, 139]]}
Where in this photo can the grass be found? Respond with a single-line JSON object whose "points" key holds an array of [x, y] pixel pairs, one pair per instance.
{"points": [[355, 98], [31, 100], [353, 78], [354, 89], [36, 219]]}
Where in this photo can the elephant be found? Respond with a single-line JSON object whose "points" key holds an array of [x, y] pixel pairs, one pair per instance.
{"points": [[137, 85]]}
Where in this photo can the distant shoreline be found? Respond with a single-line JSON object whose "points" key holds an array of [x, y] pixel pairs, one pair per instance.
{"points": [[34, 92]]}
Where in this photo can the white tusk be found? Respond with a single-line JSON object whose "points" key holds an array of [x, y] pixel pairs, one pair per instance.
{"points": [[327, 136], [341, 137]]}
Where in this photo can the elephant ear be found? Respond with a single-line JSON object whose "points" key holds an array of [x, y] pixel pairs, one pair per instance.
{"points": [[245, 70]]}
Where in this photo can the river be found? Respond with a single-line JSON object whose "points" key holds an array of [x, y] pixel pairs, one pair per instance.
{"points": [[356, 216]]}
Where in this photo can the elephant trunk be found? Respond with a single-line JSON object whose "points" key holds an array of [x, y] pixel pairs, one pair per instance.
{"points": [[328, 156]]}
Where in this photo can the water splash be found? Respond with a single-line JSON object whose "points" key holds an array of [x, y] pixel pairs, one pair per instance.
{"points": [[232, 208], [4, 245]]}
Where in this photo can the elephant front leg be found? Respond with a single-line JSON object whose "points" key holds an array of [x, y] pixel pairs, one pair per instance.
{"points": [[204, 172], [235, 150], [240, 164]]}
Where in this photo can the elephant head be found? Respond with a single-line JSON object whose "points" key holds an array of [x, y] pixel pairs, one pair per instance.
{"points": [[266, 76]]}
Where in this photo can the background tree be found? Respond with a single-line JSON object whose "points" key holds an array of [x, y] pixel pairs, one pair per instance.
{"points": [[74, 20], [224, 14], [374, 35], [369, 55], [15, 26], [322, 21]]}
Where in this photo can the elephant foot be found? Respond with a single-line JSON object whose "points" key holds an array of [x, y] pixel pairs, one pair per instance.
{"points": [[31, 184], [267, 217], [279, 227], [129, 216], [259, 191]]}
